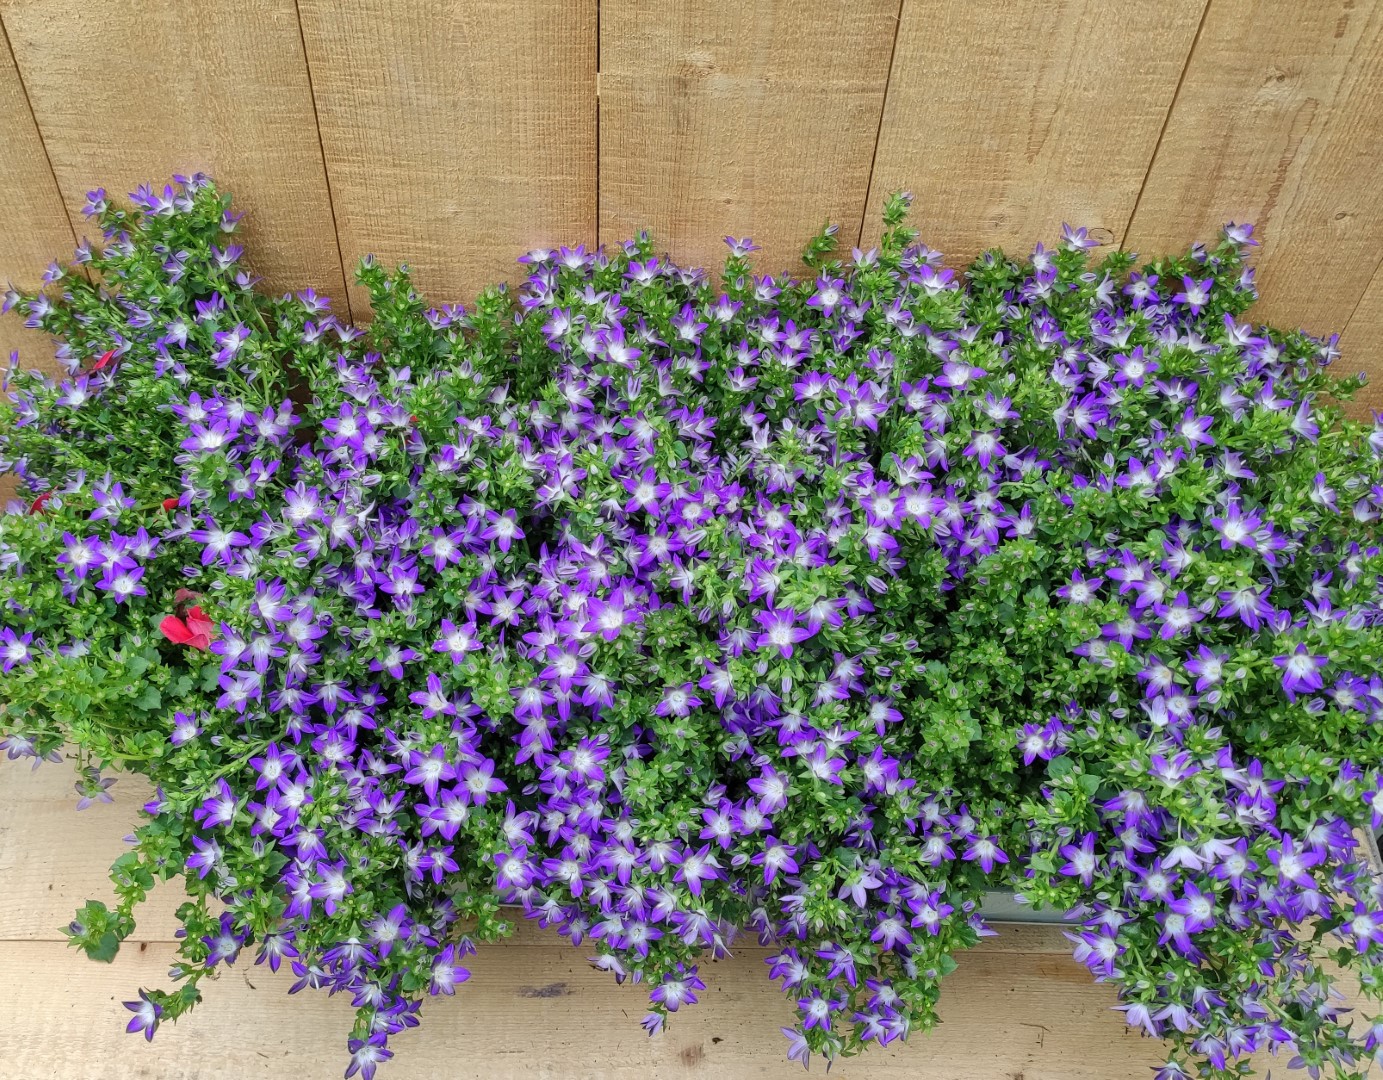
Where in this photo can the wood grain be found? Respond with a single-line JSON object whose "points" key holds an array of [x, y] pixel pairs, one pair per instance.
{"points": [[752, 119], [1004, 120], [543, 1013], [127, 92], [1280, 122], [458, 135], [1361, 347], [34, 228]]}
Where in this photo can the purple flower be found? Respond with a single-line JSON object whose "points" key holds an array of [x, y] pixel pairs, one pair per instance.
{"points": [[146, 1016], [429, 769], [677, 989], [695, 867], [780, 630], [985, 851], [775, 858], [1195, 294], [1079, 590], [1293, 865], [1177, 616], [1081, 861], [366, 1055], [1196, 429], [817, 1010], [1196, 908], [1301, 671], [677, 701], [14, 650], [503, 529]]}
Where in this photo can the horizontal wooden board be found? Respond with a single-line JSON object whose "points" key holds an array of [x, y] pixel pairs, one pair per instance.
{"points": [[1018, 1006]]}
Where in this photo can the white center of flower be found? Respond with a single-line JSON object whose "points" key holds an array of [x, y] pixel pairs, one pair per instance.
{"points": [[431, 768], [1301, 665], [1179, 616], [612, 618]]}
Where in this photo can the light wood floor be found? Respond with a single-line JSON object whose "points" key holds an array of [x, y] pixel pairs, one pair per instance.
{"points": [[1019, 1008]]}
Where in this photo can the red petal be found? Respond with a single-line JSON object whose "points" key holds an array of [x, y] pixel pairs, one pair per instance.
{"points": [[38, 503], [170, 504], [175, 631], [105, 359], [200, 625]]}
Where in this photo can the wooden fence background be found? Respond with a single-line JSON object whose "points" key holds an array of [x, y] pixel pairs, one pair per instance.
{"points": [[454, 134]]}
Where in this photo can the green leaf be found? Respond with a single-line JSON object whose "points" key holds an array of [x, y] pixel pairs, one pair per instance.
{"points": [[105, 948], [1060, 767], [149, 700]]}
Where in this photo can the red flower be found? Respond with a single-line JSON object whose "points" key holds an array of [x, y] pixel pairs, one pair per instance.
{"points": [[197, 631], [170, 504], [105, 359], [37, 505]]}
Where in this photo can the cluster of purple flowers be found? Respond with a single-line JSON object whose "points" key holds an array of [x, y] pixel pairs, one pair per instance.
{"points": [[666, 609]]}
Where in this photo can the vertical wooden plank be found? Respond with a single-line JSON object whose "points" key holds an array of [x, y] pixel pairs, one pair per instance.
{"points": [[1361, 347], [127, 92], [1004, 120], [34, 228], [1279, 121], [458, 135], [753, 119]]}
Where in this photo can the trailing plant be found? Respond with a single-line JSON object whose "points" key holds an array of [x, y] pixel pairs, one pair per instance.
{"points": [[669, 607]]}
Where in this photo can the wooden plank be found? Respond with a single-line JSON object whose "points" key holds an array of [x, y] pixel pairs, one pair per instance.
{"points": [[53, 858], [1361, 348], [1017, 1006], [752, 119], [457, 136], [127, 92], [1004, 120], [34, 228], [544, 1012], [1280, 122]]}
